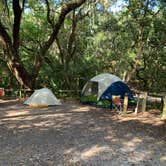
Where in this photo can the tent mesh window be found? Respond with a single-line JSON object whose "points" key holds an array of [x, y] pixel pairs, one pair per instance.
{"points": [[91, 89]]}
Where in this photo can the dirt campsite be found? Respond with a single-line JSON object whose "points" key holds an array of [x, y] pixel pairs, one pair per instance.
{"points": [[79, 135]]}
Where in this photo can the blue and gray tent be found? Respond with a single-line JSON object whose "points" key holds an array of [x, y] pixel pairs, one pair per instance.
{"points": [[100, 89]]}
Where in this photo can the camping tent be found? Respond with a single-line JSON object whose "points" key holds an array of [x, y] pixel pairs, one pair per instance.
{"points": [[100, 89], [42, 96]]}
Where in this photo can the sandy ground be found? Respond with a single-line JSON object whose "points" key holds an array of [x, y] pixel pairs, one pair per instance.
{"points": [[77, 135]]}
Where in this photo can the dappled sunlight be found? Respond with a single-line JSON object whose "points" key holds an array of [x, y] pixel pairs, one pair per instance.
{"points": [[93, 151], [78, 122], [52, 123], [129, 146], [81, 109], [7, 101], [111, 136], [70, 150], [145, 118], [23, 126], [40, 121], [155, 122], [98, 129], [81, 134], [163, 159], [160, 142], [16, 113], [135, 140], [25, 117], [47, 123], [139, 156]]}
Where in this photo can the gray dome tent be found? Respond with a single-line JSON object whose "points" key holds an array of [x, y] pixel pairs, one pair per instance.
{"points": [[42, 96], [99, 90]]}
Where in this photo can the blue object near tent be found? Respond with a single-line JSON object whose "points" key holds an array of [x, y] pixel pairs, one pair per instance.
{"points": [[118, 88]]}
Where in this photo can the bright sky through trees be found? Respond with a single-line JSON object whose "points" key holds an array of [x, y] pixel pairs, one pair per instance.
{"points": [[117, 6], [113, 7]]}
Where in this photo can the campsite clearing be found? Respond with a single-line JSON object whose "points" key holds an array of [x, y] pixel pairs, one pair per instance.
{"points": [[74, 134]]}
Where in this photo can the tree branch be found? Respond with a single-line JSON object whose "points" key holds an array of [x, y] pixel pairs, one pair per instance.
{"points": [[16, 26], [23, 4], [71, 36], [60, 50], [4, 2], [4, 36], [66, 8], [71, 45], [50, 21]]}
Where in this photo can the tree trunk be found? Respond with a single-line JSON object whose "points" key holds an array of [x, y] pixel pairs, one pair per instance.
{"points": [[17, 69], [125, 104], [144, 99], [164, 109], [11, 44], [136, 66]]}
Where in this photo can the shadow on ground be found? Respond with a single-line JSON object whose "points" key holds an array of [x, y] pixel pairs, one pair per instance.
{"points": [[73, 134]]}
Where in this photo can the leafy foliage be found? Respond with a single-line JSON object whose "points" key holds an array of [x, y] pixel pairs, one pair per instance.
{"points": [[92, 40]]}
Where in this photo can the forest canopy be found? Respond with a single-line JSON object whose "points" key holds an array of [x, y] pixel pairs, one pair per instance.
{"points": [[60, 44]]}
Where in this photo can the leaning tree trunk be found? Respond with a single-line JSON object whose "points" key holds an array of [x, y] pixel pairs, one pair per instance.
{"points": [[11, 43], [17, 69]]}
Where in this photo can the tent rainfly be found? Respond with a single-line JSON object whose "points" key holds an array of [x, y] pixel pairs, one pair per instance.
{"points": [[100, 89], [43, 97]]}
